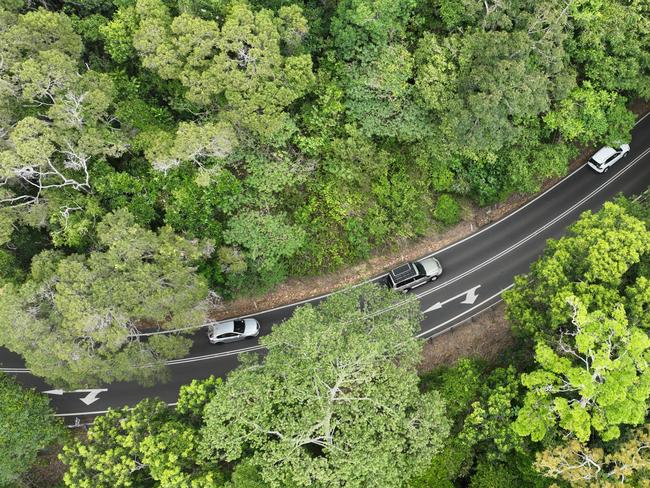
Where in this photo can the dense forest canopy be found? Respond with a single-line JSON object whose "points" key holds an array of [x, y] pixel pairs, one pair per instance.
{"points": [[236, 143], [156, 155]]}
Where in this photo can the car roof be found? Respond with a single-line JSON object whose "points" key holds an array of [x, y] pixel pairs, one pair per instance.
{"points": [[223, 327], [403, 272], [603, 154], [219, 328]]}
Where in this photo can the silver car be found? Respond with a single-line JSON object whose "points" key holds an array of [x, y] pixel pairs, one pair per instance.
{"points": [[233, 330], [606, 157], [412, 275]]}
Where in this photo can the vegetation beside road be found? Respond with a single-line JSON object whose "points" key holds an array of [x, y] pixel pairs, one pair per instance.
{"points": [[337, 399], [242, 142]]}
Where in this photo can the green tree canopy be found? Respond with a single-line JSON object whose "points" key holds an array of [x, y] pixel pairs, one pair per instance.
{"points": [[594, 378], [335, 400], [26, 427], [151, 445], [76, 319], [590, 262], [242, 61]]}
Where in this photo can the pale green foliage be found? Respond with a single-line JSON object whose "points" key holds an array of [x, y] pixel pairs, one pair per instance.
{"points": [[590, 115], [241, 61], [74, 319], [61, 118], [26, 427], [597, 378], [149, 445], [590, 263], [436, 73], [335, 400], [447, 210], [193, 143], [639, 302], [118, 34], [37, 31]]}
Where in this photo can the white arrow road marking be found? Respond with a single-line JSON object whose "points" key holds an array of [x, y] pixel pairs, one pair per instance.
{"points": [[91, 397], [470, 297]]}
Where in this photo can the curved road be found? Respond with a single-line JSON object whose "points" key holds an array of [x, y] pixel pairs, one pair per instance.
{"points": [[477, 269]]}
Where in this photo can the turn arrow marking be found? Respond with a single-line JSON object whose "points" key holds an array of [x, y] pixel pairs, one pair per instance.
{"points": [[470, 297], [91, 397]]}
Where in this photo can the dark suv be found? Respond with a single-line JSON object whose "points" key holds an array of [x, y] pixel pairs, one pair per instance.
{"points": [[412, 275]]}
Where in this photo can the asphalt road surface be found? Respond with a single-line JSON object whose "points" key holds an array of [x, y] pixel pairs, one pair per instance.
{"points": [[476, 271]]}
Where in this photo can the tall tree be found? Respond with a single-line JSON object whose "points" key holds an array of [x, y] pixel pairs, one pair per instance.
{"points": [[591, 262], [248, 61], [595, 378], [625, 463], [335, 400], [76, 319]]}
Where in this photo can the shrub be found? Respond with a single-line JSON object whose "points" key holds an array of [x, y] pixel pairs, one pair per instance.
{"points": [[447, 210]]}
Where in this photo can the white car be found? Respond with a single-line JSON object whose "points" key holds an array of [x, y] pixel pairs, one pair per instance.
{"points": [[606, 157], [233, 330]]}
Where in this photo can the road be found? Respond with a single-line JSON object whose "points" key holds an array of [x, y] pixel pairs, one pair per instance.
{"points": [[476, 270]]}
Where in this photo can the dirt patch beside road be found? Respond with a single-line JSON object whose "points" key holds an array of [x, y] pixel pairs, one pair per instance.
{"points": [[486, 336]]}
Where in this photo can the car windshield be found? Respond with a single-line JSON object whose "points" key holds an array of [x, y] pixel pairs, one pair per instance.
{"points": [[420, 269], [594, 162], [240, 326]]}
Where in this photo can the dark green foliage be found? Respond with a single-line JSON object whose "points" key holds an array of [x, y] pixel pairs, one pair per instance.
{"points": [[26, 428]]}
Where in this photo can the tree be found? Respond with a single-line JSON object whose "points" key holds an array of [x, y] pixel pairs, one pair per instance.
{"points": [[489, 421], [27, 426], [624, 464], [335, 399], [241, 61], [381, 97], [77, 318], [268, 240], [590, 262], [595, 379], [609, 39], [590, 115], [499, 90], [55, 145], [359, 25], [149, 445]]}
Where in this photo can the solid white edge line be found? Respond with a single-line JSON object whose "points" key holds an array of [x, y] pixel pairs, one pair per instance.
{"points": [[97, 412], [24, 370], [449, 246]]}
